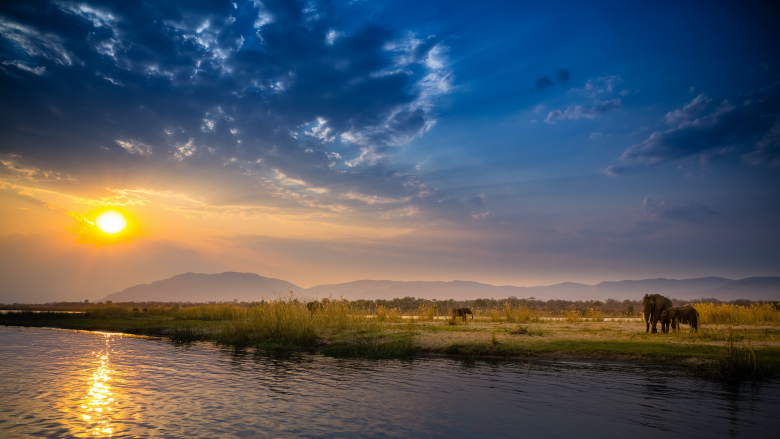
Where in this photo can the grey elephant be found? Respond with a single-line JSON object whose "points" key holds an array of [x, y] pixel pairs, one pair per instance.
{"points": [[654, 305], [680, 314], [461, 312]]}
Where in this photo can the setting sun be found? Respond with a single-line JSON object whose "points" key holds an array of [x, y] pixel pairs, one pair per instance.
{"points": [[111, 222]]}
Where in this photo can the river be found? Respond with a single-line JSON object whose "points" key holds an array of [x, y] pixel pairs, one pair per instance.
{"points": [[59, 383]]}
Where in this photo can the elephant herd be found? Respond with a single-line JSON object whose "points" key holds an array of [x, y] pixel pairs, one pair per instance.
{"points": [[659, 308], [656, 308]]}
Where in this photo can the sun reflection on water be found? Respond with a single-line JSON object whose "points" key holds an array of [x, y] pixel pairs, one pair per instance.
{"points": [[96, 409]]}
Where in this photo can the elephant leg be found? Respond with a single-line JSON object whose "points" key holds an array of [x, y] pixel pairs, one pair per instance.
{"points": [[647, 321], [655, 317]]}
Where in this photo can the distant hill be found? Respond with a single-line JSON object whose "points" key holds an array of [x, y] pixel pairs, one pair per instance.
{"points": [[765, 288], [458, 290], [194, 287]]}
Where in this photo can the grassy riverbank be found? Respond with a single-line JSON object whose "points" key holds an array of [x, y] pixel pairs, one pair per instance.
{"points": [[339, 329]]}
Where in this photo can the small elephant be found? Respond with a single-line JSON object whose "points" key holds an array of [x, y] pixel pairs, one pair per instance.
{"points": [[680, 314], [654, 305], [145, 309], [313, 306], [461, 312], [135, 309]]}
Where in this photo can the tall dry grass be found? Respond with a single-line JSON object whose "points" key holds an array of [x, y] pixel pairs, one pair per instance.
{"points": [[284, 322], [389, 315], [725, 314], [521, 314], [572, 316], [427, 312], [739, 361], [509, 314], [595, 314]]}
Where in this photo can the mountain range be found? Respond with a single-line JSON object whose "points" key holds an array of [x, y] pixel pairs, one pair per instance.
{"points": [[247, 287]]}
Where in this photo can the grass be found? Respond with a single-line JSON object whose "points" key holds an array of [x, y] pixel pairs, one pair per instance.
{"points": [[524, 330], [573, 316], [384, 314], [189, 334], [739, 361], [372, 348], [727, 314], [341, 330]]}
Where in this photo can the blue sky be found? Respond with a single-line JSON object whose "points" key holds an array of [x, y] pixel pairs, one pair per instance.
{"points": [[505, 142]]}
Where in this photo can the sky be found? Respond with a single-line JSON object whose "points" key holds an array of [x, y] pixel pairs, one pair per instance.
{"points": [[510, 143]]}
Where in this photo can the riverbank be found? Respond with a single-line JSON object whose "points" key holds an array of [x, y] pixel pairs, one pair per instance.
{"points": [[618, 340]]}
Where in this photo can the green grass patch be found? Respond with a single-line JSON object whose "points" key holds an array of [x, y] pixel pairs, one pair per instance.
{"points": [[190, 334], [439, 328], [609, 349], [372, 348], [525, 330]]}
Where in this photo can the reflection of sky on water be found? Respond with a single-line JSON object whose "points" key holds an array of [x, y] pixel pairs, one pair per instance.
{"points": [[122, 386]]}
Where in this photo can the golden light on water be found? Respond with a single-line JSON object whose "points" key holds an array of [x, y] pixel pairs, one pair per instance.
{"points": [[97, 409], [111, 222]]}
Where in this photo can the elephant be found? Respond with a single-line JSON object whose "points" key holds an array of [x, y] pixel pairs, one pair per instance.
{"points": [[461, 312], [313, 306], [680, 314], [654, 305]]}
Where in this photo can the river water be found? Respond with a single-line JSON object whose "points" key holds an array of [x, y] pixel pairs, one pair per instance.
{"points": [[58, 383]]}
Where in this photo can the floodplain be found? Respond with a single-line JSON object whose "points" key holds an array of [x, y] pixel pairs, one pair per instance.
{"points": [[732, 342]]}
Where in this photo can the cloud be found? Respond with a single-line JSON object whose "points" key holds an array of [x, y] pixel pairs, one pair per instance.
{"points": [[232, 92], [690, 111], [767, 148], [704, 124], [563, 76], [596, 135], [613, 171], [134, 147], [20, 65], [544, 82], [603, 85], [477, 201], [30, 41], [689, 212], [580, 111]]}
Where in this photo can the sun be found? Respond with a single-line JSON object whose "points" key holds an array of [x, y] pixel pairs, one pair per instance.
{"points": [[111, 222]]}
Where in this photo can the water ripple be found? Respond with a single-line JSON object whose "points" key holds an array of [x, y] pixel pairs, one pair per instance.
{"points": [[58, 383]]}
